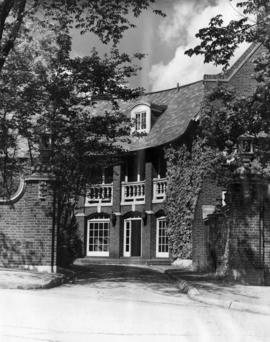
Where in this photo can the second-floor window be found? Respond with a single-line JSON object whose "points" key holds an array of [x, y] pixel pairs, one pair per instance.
{"points": [[140, 121], [141, 118]]}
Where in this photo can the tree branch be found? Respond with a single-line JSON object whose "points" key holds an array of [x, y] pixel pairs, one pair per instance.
{"points": [[13, 34]]}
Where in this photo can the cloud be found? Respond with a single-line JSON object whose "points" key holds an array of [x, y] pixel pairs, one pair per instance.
{"points": [[175, 26], [179, 29]]}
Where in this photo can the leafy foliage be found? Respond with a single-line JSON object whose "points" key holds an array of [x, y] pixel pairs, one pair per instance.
{"points": [[107, 19], [47, 95], [187, 168], [225, 119], [219, 41]]}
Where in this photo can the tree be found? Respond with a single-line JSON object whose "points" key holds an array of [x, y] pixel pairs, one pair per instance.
{"points": [[45, 92], [107, 19], [225, 117]]}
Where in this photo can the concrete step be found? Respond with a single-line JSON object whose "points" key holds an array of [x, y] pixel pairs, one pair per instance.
{"points": [[120, 261], [159, 261]]}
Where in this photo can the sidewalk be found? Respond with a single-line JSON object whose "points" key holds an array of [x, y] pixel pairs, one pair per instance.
{"points": [[26, 280], [206, 289]]}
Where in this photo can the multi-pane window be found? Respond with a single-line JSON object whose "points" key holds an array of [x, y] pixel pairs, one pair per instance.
{"points": [[98, 237], [140, 121], [127, 237], [143, 120], [162, 238]]}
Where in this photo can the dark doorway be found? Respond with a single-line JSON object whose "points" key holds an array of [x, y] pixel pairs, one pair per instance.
{"points": [[136, 238]]}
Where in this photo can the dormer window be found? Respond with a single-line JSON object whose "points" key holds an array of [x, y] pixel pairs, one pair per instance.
{"points": [[141, 116], [140, 121]]}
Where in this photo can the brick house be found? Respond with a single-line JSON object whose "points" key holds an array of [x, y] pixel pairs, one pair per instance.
{"points": [[123, 217]]}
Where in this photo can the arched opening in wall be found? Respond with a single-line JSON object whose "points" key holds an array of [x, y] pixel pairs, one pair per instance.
{"points": [[98, 235]]}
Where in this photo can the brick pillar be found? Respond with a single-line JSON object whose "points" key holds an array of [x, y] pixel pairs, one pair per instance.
{"points": [[80, 218], [148, 186], [146, 229], [28, 233], [116, 210]]}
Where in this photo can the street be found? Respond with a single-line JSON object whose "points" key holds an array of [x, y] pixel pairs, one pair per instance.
{"points": [[116, 303]]}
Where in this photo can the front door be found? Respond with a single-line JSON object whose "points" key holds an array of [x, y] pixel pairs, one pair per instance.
{"points": [[132, 237]]}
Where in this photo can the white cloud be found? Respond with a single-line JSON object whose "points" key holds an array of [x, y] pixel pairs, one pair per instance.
{"points": [[180, 29]]}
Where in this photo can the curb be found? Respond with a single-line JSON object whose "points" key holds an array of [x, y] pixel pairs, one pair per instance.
{"points": [[57, 281], [62, 276], [194, 294]]}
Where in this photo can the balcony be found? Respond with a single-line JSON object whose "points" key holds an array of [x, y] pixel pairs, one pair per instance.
{"points": [[100, 194], [159, 189], [133, 192]]}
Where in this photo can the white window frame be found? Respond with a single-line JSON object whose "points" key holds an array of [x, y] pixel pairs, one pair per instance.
{"points": [[127, 253], [139, 121], [158, 253], [97, 253], [138, 111]]}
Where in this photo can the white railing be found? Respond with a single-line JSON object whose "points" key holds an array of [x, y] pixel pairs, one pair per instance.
{"points": [[99, 194], [133, 192], [159, 189]]}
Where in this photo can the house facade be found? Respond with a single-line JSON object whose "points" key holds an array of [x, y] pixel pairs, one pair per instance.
{"points": [[123, 217]]}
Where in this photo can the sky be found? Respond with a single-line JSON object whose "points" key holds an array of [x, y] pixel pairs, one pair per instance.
{"points": [[164, 40]]}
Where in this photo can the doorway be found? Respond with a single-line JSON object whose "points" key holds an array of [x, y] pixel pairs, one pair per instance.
{"points": [[132, 237]]}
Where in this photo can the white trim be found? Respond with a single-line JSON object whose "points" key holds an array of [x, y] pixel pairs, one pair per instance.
{"points": [[99, 200], [125, 252], [128, 253], [16, 195], [139, 109], [102, 253], [80, 214], [160, 254], [39, 268], [39, 178], [223, 198]]}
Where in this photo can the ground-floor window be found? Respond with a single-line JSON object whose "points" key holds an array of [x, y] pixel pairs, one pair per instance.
{"points": [[162, 250], [98, 237]]}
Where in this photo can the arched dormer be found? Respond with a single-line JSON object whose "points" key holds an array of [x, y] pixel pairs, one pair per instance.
{"points": [[141, 116]]}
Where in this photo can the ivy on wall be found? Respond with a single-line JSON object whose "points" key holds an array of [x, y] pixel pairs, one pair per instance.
{"points": [[186, 168]]}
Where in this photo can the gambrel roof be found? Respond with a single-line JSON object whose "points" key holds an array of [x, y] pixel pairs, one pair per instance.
{"points": [[182, 105], [174, 108]]}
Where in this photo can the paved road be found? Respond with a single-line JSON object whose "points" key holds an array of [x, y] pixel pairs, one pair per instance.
{"points": [[121, 304]]}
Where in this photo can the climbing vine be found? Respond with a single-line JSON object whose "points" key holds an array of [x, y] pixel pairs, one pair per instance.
{"points": [[187, 167]]}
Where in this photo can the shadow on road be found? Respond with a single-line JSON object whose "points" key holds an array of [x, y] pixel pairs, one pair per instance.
{"points": [[207, 283], [117, 276]]}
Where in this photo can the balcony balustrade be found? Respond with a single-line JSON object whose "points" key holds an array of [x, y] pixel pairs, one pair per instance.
{"points": [[133, 192], [99, 194], [159, 189]]}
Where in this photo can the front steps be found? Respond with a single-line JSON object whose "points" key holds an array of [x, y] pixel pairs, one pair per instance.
{"points": [[120, 261]]}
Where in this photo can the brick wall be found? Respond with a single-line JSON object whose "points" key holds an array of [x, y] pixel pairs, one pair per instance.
{"points": [[27, 238], [121, 212], [249, 245], [200, 231], [244, 84], [243, 80]]}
